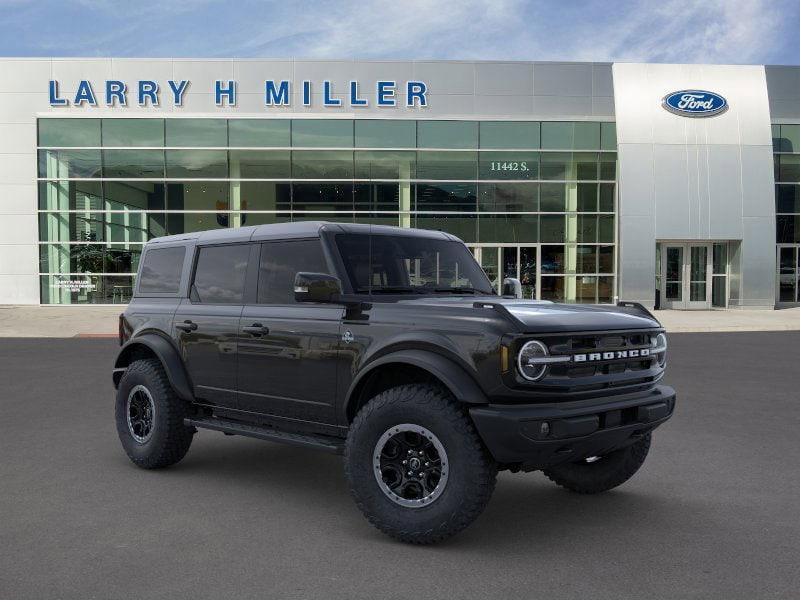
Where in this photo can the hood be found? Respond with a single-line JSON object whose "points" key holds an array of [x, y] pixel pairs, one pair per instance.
{"points": [[534, 316]]}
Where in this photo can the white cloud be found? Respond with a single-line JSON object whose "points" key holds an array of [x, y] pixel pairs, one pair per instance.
{"points": [[736, 31], [713, 31]]}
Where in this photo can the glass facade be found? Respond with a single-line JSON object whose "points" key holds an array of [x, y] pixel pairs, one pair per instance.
{"points": [[786, 148], [533, 200]]}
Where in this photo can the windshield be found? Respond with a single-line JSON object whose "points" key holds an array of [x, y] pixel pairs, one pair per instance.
{"points": [[400, 264]]}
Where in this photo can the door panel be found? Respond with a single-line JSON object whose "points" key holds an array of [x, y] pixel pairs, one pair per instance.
{"points": [[207, 323], [288, 351], [209, 351], [698, 272], [788, 274], [290, 370], [673, 277]]}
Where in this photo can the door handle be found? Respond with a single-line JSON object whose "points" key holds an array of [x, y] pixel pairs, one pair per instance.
{"points": [[256, 329], [187, 325]]}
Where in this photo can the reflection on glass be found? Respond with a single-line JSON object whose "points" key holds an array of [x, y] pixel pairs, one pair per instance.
{"points": [[89, 258], [260, 164], [463, 227], [587, 259], [460, 197], [70, 195], [490, 264], [674, 273], [527, 271], [553, 228], [261, 195], [258, 133], [447, 134], [789, 169], [381, 196], [553, 259], [587, 197], [508, 197], [64, 164], [197, 133], [322, 196], [322, 133], [553, 288], [447, 165], [322, 164], [127, 133], [134, 195], [508, 228], [787, 198], [198, 164], [383, 133], [510, 261], [509, 134], [65, 133], [385, 165], [557, 166], [132, 164]]}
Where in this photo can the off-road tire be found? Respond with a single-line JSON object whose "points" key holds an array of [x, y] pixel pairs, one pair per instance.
{"points": [[608, 472], [472, 471], [170, 438]]}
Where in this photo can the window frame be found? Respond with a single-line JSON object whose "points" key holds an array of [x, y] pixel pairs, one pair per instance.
{"points": [[137, 292], [257, 269], [246, 288]]}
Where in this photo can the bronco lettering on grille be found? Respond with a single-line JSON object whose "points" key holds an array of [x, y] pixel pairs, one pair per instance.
{"points": [[616, 355]]}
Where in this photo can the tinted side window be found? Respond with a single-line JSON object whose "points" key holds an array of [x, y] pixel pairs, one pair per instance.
{"points": [[161, 270], [219, 276], [280, 262]]}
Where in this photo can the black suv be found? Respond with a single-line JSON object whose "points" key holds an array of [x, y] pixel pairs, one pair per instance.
{"points": [[389, 346]]}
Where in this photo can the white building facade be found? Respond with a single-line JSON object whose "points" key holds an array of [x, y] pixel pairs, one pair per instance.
{"points": [[677, 186]]}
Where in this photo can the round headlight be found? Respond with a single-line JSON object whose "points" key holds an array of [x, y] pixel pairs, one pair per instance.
{"points": [[659, 348], [528, 360]]}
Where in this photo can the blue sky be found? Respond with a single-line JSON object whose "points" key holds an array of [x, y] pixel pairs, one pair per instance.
{"points": [[710, 31]]}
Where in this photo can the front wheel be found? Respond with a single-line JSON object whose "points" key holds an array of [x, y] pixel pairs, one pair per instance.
{"points": [[601, 473], [416, 466]]}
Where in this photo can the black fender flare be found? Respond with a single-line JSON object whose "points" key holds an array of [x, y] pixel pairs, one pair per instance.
{"points": [[460, 383], [166, 353]]}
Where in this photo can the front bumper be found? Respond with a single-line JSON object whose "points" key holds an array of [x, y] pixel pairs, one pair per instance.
{"points": [[537, 436]]}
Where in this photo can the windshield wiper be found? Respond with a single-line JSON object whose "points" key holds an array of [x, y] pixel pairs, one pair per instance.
{"points": [[459, 290], [389, 289]]}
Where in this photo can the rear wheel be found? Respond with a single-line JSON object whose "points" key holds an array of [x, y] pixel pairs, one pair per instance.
{"points": [[150, 416], [416, 466], [601, 473]]}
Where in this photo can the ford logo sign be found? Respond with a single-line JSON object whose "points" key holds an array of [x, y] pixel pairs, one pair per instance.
{"points": [[695, 103]]}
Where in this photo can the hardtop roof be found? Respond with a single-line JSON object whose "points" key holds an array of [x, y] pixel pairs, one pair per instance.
{"points": [[298, 229]]}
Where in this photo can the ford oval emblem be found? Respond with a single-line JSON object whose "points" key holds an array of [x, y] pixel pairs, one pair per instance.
{"points": [[695, 103]]}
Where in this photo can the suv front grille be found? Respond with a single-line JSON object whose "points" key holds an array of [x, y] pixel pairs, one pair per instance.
{"points": [[600, 361]]}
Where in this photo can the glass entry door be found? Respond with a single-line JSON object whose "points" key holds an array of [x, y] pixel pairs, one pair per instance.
{"points": [[519, 262], [788, 274], [686, 276]]}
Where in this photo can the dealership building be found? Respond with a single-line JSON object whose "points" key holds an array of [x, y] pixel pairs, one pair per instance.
{"points": [[677, 186]]}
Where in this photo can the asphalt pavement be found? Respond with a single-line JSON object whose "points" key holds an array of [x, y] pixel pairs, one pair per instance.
{"points": [[714, 512]]}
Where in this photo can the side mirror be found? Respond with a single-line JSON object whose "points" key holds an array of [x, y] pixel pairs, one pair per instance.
{"points": [[316, 287], [512, 287]]}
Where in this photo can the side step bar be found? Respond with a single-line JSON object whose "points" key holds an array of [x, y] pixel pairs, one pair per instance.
{"points": [[318, 442]]}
